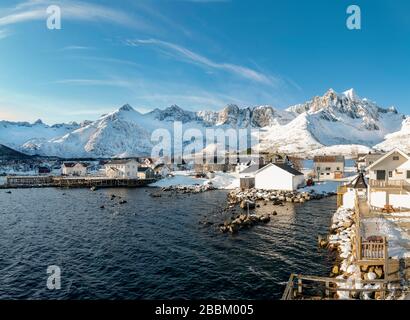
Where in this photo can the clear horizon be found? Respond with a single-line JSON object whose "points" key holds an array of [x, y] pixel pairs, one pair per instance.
{"points": [[199, 55]]}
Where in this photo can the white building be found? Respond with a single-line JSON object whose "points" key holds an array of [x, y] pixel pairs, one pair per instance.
{"points": [[389, 181], [274, 176], [329, 167], [74, 169], [122, 169]]}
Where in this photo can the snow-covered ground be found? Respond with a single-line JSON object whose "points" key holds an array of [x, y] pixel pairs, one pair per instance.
{"points": [[323, 187], [184, 178], [229, 181], [397, 236]]}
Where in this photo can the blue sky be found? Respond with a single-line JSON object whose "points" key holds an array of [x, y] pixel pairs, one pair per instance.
{"points": [[199, 54]]}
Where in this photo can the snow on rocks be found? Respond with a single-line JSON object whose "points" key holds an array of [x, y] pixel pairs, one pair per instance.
{"points": [[184, 189], [276, 196]]}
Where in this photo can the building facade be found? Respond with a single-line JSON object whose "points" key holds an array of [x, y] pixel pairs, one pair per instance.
{"points": [[389, 181], [272, 176], [329, 167], [74, 169], [124, 169]]}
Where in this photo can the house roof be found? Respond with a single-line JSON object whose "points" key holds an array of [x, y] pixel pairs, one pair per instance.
{"points": [[358, 183], [143, 169], [388, 155], [289, 169], [73, 164], [319, 159], [253, 168]]}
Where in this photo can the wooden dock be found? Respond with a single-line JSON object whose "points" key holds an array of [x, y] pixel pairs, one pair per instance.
{"points": [[14, 182], [300, 287]]}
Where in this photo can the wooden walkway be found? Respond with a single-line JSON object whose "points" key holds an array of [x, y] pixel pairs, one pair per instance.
{"points": [[73, 182]]}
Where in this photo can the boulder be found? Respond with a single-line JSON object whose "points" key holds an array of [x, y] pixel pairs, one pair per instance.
{"points": [[335, 270], [379, 272]]}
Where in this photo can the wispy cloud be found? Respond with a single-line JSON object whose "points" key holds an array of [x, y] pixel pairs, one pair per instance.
{"points": [[198, 59], [73, 10], [74, 48]]}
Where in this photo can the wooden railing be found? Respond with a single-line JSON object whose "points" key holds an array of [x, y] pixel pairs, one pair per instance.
{"points": [[373, 250], [303, 287], [388, 183]]}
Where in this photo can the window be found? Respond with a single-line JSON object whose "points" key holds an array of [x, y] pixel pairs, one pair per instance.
{"points": [[338, 168], [390, 174], [328, 168], [396, 158], [408, 174], [328, 174], [322, 174], [381, 175]]}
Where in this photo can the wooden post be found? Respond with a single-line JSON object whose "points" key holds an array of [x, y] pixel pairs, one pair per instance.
{"points": [[386, 259], [327, 293], [300, 286]]}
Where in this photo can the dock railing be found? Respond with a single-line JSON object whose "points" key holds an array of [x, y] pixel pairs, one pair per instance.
{"points": [[313, 287], [368, 251]]}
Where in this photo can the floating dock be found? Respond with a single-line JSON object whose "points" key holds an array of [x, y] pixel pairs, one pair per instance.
{"points": [[73, 182]]}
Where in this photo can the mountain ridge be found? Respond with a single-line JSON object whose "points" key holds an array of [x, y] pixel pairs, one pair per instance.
{"points": [[323, 122]]}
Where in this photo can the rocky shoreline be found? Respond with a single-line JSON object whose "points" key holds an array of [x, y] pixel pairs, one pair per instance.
{"points": [[179, 189], [275, 196]]}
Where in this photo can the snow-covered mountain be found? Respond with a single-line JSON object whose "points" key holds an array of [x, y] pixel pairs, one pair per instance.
{"points": [[332, 123], [399, 139], [343, 120]]}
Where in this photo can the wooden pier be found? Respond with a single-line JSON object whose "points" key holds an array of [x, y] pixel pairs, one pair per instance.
{"points": [[73, 182], [300, 287]]}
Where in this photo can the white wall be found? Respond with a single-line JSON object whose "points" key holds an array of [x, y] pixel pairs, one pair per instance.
{"points": [[400, 200], [378, 199], [274, 178], [298, 181]]}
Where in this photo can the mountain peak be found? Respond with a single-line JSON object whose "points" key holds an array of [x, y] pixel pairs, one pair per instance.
{"points": [[126, 107], [38, 121], [351, 94]]}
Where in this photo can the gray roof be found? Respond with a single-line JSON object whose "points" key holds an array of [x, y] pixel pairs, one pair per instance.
{"points": [[253, 168], [288, 169], [143, 169]]}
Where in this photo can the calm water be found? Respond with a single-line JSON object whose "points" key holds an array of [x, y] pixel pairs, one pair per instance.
{"points": [[151, 248]]}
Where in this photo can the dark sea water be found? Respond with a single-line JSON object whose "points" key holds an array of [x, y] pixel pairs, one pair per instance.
{"points": [[151, 248]]}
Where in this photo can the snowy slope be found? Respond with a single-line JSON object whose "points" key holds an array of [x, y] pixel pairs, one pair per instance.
{"points": [[15, 134], [117, 134], [399, 139]]}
